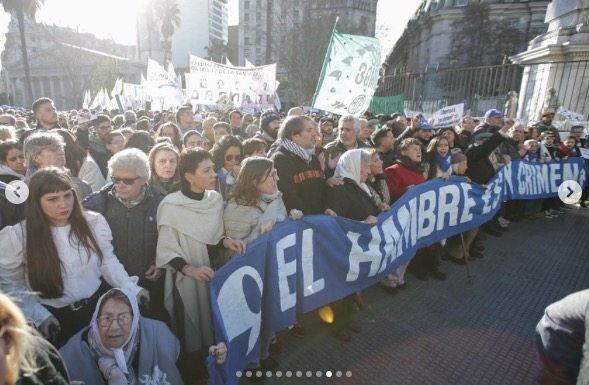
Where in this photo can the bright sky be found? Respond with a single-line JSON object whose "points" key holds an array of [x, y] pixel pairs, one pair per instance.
{"points": [[116, 18]]}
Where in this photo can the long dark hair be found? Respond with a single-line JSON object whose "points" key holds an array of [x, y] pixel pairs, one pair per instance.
{"points": [[44, 265], [254, 170]]}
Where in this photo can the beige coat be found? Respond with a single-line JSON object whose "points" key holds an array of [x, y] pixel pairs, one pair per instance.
{"points": [[185, 227]]}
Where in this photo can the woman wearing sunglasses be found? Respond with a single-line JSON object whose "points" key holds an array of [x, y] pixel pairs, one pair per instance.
{"points": [[12, 162], [53, 262], [227, 154], [129, 205], [121, 347]]}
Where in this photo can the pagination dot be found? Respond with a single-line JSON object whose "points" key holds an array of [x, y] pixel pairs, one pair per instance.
{"points": [[348, 374], [338, 374], [328, 373], [318, 373]]}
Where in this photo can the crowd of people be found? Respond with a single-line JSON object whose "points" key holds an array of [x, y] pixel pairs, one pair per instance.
{"points": [[130, 214]]}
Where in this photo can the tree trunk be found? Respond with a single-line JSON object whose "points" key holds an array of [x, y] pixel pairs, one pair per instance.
{"points": [[25, 58]]}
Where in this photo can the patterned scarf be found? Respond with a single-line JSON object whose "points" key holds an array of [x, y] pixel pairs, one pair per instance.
{"points": [[297, 150], [133, 202]]}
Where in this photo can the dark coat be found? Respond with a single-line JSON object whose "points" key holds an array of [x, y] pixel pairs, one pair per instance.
{"points": [[334, 149], [480, 169], [301, 183], [133, 247], [10, 213], [350, 201]]}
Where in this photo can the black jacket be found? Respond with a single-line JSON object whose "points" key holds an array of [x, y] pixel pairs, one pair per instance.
{"points": [[301, 183], [134, 229], [480, 169], [350, 201], [10, 213]]}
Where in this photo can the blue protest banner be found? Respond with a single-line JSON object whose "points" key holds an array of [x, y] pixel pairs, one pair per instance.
{"points": [[302, 265]]}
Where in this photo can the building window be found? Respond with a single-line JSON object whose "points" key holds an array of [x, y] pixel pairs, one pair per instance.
{"points": [[258, 16], [258, 62], [246, 52], [258, 3], [258, 39], [296, 14], [246, 17], [258, 52], [246, 40], [246, 4], [296, 3]]}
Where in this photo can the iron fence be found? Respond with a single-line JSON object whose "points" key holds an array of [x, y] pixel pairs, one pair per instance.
{"points": [[483, 88]]}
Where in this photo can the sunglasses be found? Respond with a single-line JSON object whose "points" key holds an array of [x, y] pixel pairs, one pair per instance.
{"points": [[127, 181], [229, 158]]}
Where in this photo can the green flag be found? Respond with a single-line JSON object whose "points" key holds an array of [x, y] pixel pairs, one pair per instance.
{"points": [[349, 76], [387, 105]]}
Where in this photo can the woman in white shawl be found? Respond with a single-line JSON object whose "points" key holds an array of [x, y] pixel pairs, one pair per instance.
{"points": [[253, 208], [120, 347], [351, 200], [190, 224]]}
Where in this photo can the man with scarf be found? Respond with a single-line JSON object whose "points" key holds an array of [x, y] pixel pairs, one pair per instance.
{"points": [[301, 178]]}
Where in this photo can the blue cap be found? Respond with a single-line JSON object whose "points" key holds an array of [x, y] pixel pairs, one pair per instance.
{"points": [[494, 113], [424, 125]]}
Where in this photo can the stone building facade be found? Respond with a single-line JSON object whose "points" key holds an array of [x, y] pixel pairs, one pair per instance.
{"points": [[62, 63]]}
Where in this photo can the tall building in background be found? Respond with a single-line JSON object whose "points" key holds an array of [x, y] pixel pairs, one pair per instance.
{"points": [[201, 21], [428, 37], [269, 28], [63, 63]]}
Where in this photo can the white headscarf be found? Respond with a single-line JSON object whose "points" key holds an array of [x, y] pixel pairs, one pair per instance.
{"points": [[349, 166], [114, 362]]}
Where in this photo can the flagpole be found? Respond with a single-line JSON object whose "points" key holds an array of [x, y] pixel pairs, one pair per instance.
{"points": [[324, 69]]}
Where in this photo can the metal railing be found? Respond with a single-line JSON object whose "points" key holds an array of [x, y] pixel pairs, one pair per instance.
{"points": [[483, 88]]}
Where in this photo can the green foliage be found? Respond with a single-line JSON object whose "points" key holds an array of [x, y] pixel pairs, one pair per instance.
{"points": [[302, 51], [106, 75], [479, 40], [217, 51]]}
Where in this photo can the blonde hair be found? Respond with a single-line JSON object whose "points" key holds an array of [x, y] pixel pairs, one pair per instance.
{"points": [[15, 332], [7, 133]]}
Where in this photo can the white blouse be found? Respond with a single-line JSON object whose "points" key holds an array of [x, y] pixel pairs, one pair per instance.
{"points": [[81, 275]]}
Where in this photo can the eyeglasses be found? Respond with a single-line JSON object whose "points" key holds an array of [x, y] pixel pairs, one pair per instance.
{"points": [[123, 319], [229, 158], [127, 181]]}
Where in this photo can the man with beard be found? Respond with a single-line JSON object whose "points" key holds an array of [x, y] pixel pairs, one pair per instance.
{"points": [[545, 124], [102, 126], [45, 115], [326, 128], [348, 128], [269, 124]]}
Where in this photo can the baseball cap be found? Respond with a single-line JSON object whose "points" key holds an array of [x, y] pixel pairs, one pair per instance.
{"points": [[424, 125], [493, 113]]}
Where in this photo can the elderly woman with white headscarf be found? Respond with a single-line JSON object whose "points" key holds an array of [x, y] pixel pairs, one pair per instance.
{"points": [[120, 347], [351, 200]]}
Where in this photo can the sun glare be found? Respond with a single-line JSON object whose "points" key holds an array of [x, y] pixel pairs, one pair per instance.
{"points": [[115, 19]]}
